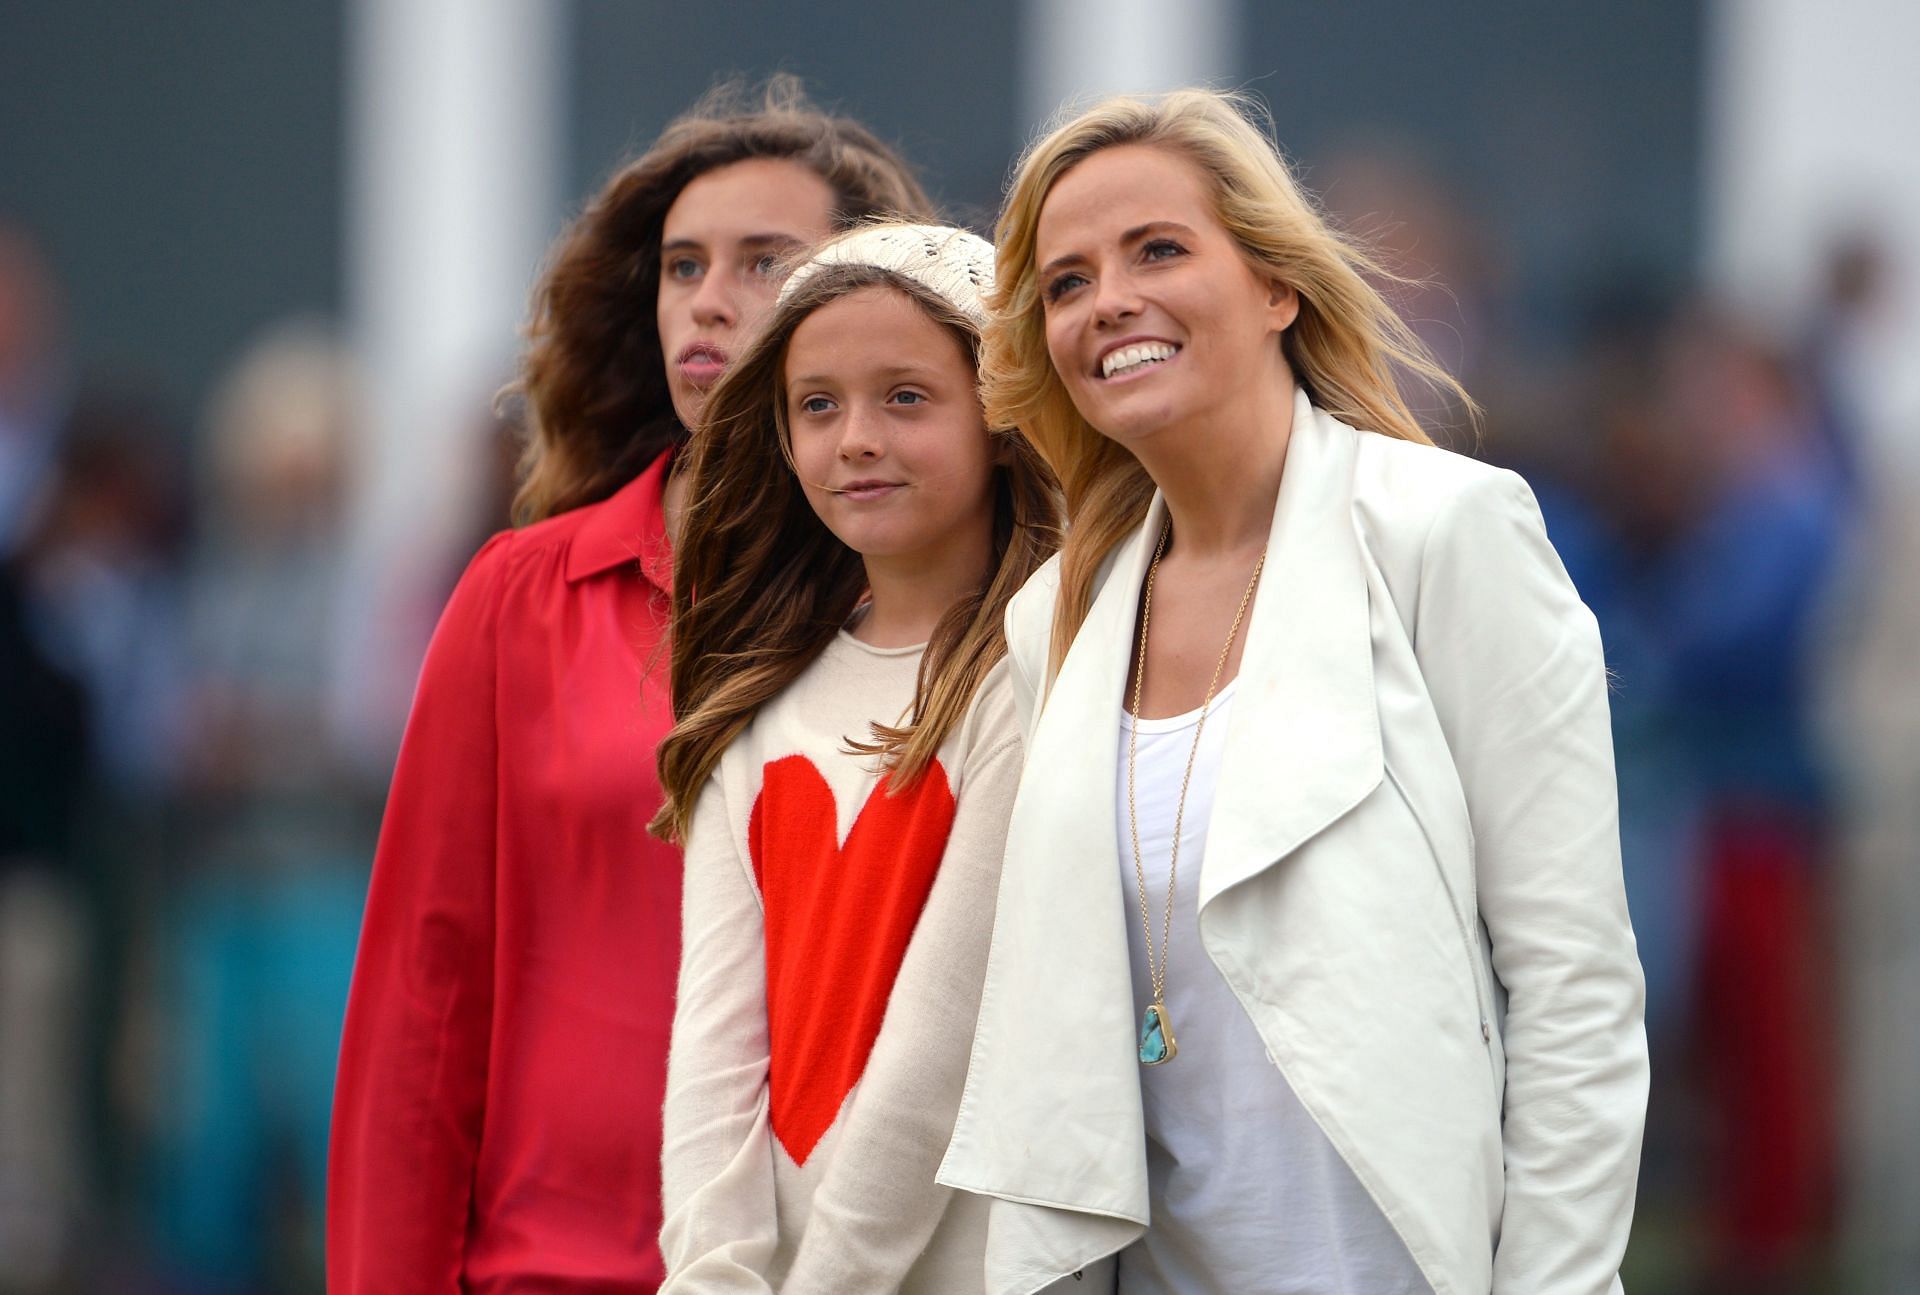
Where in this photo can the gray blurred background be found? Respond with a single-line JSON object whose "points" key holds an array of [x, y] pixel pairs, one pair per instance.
{"points": [[261, 271]]}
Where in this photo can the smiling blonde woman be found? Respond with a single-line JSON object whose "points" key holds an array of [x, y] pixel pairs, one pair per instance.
{"points": [[1312, 970]]}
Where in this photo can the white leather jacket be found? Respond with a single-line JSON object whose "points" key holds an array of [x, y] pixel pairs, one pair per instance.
{"points": [[1412, 884]]}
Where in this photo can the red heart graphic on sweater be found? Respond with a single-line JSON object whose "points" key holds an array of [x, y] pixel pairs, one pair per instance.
{"points": [[838, 920]]}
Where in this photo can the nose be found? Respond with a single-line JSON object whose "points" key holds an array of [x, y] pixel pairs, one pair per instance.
{"points": [[1115, 299], [714, 304], [861, 438]]}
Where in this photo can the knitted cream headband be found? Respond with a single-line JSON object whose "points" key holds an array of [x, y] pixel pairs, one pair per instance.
{"points": [[954, 265]]}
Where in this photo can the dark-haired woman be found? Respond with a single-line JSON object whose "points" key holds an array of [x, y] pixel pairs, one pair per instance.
{"points": [[497, 1116]]}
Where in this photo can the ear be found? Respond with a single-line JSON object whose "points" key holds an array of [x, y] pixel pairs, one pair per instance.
{"points": [[1283, 305]]}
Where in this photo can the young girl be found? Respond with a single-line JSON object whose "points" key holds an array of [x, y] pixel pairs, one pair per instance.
{"points": [[841, 773], [1312, 969], [497, 1116]]}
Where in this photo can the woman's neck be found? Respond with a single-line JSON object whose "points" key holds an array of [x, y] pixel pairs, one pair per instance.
{"points": [[673, 502], [1221, 474], [910, 594]]}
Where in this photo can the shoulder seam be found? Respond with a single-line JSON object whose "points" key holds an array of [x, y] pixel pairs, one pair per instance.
{"points": [[1000, 748]]}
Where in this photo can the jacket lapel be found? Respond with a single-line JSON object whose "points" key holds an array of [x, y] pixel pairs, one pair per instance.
{"points": [[1052, 1113], [1303, 740], [1051, 1122]]}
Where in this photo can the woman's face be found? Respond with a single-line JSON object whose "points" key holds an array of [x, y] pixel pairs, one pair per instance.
{"points": [[887, 434], [1154, 316], [721, 248]]}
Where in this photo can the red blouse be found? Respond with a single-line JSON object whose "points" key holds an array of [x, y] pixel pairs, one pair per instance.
{"points": [[496, 1122]]}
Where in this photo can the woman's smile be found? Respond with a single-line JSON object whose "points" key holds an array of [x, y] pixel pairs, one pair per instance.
{"points": [[1145, 285], [1132, 358]]}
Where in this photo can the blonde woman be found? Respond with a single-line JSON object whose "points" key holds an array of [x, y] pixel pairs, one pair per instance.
{"points": [[1312, 969]]}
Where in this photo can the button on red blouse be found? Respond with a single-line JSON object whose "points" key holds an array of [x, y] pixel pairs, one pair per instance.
{"points": [[497, 1114]]}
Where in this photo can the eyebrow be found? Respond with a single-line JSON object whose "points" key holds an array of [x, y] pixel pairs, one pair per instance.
{"points": [[751, 240], [891, 371], [1133, 235]]}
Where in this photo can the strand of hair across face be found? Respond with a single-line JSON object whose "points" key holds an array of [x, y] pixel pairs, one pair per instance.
{"points": [[931, 479]]}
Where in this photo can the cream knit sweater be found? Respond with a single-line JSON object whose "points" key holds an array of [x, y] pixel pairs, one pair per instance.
{"points": [[835, 938]]}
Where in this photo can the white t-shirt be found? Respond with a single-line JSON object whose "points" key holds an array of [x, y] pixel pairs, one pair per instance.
{"points": [[1247, 1193]]}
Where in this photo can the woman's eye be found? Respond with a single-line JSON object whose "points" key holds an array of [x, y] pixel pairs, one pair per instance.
{"points": [[816, 405], [1062, 285], [683, 267], [767, 264], [1161, 248], [909, 398]]}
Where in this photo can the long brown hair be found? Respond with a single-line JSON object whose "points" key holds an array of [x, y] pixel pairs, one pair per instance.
{"points": [[595, 385], [761, 586], [1348, 347]]}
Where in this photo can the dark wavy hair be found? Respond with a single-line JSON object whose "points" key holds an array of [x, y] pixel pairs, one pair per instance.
{"points": [[592, 378]]}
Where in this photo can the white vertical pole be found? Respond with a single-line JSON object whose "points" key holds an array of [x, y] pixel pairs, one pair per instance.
{"points": [[455, 152], [1077, 49]]}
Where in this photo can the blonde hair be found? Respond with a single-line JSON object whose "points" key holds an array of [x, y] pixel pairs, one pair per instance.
{"points": [[1348, 348], [761, 586]]}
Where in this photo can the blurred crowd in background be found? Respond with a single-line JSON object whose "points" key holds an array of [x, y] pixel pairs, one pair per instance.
{"points": [[187, 819], [185, 828]]}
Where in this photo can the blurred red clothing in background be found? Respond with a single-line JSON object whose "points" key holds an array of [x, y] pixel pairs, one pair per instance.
{"points": [[497, 1113], [1768, 1042]]}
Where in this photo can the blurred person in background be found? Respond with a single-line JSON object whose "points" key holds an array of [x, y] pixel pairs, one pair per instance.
{"points": [[1450, 285], [497, 1116], [89, 529], [1738, 599], [100, 571], [234, 1020], [1837, 349], [43, 768], [1718, 505], [33, 379], [1854, 351], [103, 562]]}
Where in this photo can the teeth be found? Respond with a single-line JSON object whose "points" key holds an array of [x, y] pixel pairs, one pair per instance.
{"points": [[1129, 358]]}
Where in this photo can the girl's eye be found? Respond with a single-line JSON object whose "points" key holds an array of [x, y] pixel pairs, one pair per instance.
{"points": [[1062, 285], [816, 405], [683, 267], [1160, 249], [767, 264], [909, 397]]}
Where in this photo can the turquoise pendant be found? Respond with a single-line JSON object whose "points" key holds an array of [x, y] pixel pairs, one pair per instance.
{"points": [[1156, 1037]]}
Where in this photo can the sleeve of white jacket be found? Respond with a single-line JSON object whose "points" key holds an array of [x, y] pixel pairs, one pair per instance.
{"points": [[1513, 662], [717, 1191], [879, 1204]]}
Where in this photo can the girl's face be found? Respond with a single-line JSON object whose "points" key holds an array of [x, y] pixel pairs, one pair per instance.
{"points": [[721, 248], [887, 433], [1154, 316]]}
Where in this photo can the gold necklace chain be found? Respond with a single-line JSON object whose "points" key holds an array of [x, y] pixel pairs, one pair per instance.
{"points": [[1157, 969]]}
